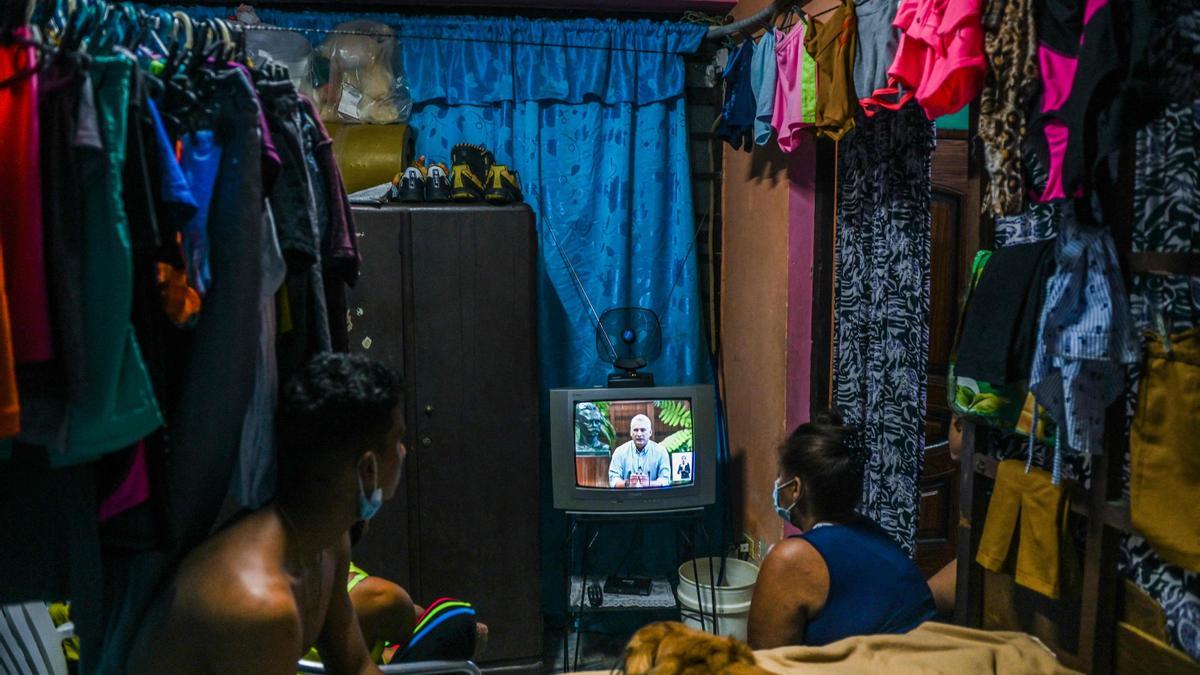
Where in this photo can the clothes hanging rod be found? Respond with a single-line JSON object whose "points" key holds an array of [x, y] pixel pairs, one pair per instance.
{"points": [[400, 35], [753, 21]]}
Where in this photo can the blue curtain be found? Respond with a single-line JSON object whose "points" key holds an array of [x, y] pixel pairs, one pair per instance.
{"points": [[592, 115]]}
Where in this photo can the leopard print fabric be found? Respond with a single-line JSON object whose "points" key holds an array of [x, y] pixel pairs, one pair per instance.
{"points": [[1010, 41]]}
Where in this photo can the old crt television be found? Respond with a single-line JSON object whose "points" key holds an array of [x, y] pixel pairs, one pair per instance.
{"points": [[636, 449]]}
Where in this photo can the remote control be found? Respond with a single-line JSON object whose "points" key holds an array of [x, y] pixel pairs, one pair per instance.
{"points": [[595, 596]]}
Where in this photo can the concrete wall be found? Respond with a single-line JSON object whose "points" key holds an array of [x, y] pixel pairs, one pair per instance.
{"points": [[766, 296]]}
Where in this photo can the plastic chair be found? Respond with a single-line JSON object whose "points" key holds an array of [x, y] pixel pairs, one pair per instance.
{"points": [[415, 668], [29, 641]]}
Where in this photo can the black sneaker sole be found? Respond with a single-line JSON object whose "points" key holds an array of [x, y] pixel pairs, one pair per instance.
{"points": [[465, 196], [410, 195], [500, 197]]}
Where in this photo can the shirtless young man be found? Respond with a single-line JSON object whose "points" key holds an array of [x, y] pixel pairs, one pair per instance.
{"points": [[258, 594]]}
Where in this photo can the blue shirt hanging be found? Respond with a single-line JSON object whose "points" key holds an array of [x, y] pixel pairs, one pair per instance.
{"points": [[737, 116]]}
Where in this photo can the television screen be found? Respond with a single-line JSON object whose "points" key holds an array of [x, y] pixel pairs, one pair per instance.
{"points": [[634, 444], [633, 449]]}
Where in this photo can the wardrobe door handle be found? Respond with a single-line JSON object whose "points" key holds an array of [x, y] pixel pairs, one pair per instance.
{"points": [[426, 442], [929, 493]]}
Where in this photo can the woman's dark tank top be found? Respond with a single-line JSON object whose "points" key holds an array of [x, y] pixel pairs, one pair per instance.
{"points": [[874, 587]]}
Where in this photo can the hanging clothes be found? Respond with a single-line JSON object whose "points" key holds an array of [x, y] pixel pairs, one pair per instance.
{"points": [[1166, 176], [940, 60], [1031, 506], [831, 42], [877, 43], [15, 98], [1085, 337], [1077, 53], [220, 376], [200, 158], [882, 306], [49, 387], [340, 259], [120, 407], [795, 103], [1164, 446], [1010, 41], [21, 191], [10, 408], [763, 73], [736, 126]]}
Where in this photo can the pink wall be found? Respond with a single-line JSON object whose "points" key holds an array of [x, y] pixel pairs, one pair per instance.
{"points": [[766, 311], [801, 213]]}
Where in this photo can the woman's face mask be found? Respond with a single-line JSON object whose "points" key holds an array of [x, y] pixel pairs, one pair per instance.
{"points": [[784, 512]]}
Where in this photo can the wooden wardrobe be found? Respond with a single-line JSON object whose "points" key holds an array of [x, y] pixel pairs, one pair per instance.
{"points": [[447, 297]]}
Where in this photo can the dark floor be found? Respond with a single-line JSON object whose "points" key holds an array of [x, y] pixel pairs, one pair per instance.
{"points": [[603, 643], [597, 650]]}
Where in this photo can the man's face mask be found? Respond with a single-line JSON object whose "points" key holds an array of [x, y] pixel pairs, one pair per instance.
{"points": [[369, 506], [784, 512]]}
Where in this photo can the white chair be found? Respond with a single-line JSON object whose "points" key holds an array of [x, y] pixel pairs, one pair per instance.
{"points": [[30, 644], [416, 668]]}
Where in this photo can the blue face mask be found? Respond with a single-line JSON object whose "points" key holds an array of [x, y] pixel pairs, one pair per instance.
{"points": [[369, 506], [785, 513]]}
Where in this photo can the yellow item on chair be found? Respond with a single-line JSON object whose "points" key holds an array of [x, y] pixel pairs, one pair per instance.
{"points": [[1038, 507], [1164, 446]]}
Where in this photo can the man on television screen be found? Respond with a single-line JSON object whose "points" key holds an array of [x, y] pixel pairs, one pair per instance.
{"points": [[639, 462]]}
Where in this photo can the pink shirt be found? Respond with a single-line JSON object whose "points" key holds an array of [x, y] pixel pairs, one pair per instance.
{"points": [[940, 58], [788, 116]]}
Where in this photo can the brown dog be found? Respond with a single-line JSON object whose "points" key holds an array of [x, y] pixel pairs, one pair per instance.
{"points": [[670, 648]]}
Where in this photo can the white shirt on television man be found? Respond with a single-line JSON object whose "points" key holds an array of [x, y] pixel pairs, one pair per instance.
{"points": [[639, 462]]}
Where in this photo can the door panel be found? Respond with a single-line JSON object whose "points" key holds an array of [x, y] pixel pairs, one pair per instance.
{"points": [[955, 238], [376, 324], [475, 441]]}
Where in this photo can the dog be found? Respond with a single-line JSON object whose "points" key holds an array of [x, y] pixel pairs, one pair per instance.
{"points": [[670, 648]]}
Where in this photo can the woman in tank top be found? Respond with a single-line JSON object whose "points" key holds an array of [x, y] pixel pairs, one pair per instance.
{"points": [[843, 575]]}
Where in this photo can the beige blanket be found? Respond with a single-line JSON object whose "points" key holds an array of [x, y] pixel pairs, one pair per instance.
{"points": [[929, 649]]}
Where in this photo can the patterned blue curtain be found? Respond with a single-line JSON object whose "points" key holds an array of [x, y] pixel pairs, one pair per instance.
{"points": [[881, 347]]}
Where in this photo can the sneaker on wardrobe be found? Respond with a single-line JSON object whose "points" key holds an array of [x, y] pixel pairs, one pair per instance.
{"points": [[503, 185], [411, 184], [437, 183], [469, 169]]}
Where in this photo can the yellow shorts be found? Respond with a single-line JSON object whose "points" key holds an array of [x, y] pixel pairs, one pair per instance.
{"points": [[1164, 445], [1030, 500]]}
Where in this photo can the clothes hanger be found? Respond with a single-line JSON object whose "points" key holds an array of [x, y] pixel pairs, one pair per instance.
{"points": [[180, 48], [227, 44], [100, 36]]}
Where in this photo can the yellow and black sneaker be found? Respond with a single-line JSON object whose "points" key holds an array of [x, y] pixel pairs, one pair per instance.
{"points": [[503, 185], [437, 183], [410, 185], [469, 168]]}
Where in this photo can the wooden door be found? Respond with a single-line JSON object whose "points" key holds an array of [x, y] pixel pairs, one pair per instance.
{"points": [[955, 239], [375, 308], [476, 429]]}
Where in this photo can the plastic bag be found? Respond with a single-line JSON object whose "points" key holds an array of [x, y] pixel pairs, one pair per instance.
{"points": [[287, 48], [366, 83]]}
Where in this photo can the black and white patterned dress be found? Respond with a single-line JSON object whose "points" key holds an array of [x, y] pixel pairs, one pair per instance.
{"points": [[882, 306]]}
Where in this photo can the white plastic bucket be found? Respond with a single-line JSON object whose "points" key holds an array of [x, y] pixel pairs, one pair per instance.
{"points": [[733, 595]]}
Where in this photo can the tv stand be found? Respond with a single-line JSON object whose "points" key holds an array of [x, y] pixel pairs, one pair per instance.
{"points": [[688, 523]]}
